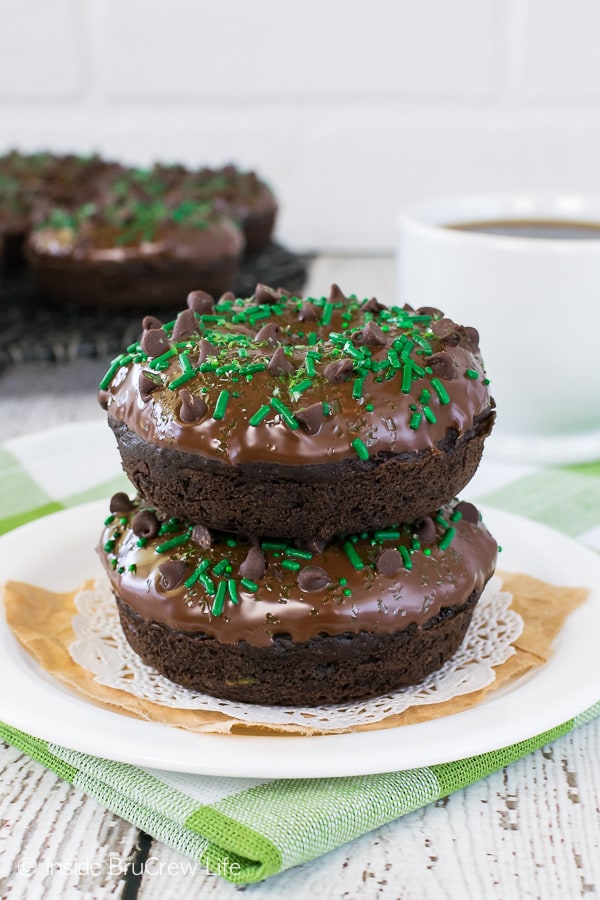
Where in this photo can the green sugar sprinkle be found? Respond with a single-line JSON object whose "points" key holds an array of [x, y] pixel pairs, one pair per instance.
{"points": [[285, 413], [181, 379], [191, 581], [357, 388], [221, 567], [174, 542], [141, 542], [164, 358], [310, 366], [312, 338], [300, 554], [407, 373], [249, 585], [109, 546], [393, 359], [429, 414], [233, 591], [221, 405], [447, 538], [274, 545], [327, 314], [456, 516], [132, 568], [426, 551], [347, 592], [219, 602], [360, 448], [259, 415], [109, 520], [415, 421], [207, 583], [250, 370], [290, 564], [353, 556], [386, 535], [471, 373], [405, 557], [425, 396], [184, 362], [441, 391], [302, 386], [114, 368]]}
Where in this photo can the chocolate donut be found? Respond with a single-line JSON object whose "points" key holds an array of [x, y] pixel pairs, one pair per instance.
{"points": [[299, 418], [273, 622]]}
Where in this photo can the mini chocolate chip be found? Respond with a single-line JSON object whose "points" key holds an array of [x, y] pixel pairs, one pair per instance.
{"points": [[151, 322], [471, 337], [228, 297], [469, 512], [339, 370], [372, 335], [155, 342], [200, 301], [442, 365], [308, 312], [265, 294], [283, 292], [408, 308], [430, 311], [425, 529], [310, 418], [120, 502], [389, 562], [172, 573], [202, 536], [192, 408], [254, 566], [279, 364], [185, 325], [373, 305], [145, 524], [206, 349], [103, 398], [315, 545], [447, 331], [269, 333], [313, 578], [336, 294]]}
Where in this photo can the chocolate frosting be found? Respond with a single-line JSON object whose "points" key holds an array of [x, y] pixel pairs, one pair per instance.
{"points": [[385, 399], [359, 594]]}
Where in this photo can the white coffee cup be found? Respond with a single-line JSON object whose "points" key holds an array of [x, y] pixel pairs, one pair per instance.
{"points": [[536, 304]]}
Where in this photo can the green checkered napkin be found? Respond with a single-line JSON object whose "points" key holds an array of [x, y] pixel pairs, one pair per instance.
{"points": [[246, 829]]}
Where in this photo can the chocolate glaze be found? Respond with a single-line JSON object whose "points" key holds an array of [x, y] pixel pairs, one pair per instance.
{"points": [[375, 602], [379, 414]]}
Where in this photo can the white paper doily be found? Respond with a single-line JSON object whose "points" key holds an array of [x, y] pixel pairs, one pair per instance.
{"points": [[101, 648]]}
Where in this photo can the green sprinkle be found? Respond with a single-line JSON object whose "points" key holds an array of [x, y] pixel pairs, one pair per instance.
{"points": [[429, 414], [290, 564], [425, 396], [415, 421], [386, 535], [219, 602], [300, 554], [360, 448], [347, 592], [302, 386], [174, 542], [250, 370], [221, 405], [141, 542], [220, 567], [343, 582], [327, 314], [132, 568], [164, 358], [471, 373], [114, 368], [393, 359], [447, 538], [181, 379], [233, 591], [407, 373], [207, 583], [285, 413], [109, 546], [456, 516], [259, 415], [441, 391], [426, 551], [405, 557], [191, 581], [274, 545], [486, 381], [358, 388], [312, 338], [326, 409], [310, 366], [249, 585], [109, 520], [353, 556], [231, 542], [369, 407], [184, 362]]}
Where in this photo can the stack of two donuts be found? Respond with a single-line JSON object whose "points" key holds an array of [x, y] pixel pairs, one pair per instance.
{"points": [[296, 537]]}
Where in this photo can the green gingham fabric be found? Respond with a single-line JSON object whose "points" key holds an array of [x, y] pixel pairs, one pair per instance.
{"points": [[246, 829]]}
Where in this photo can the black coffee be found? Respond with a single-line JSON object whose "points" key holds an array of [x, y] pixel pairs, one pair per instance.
{"points": [[554, 229]]}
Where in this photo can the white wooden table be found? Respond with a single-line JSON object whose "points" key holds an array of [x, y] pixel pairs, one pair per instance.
{"points": [[530, 831]]}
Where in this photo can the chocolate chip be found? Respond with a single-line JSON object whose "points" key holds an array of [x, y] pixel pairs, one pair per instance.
{"points": [[254, 565], [192, 408], [336, 294], [469, 512], [339, 370], [172, 573], [308, 312], [279, 364], [447, 331], [442, 365], [200, 301], [430, 311], [283, 292], [103, 398], [206, 349], [310, 418], [471, 337], [151, 322], [313, 578], [120, 503], [228, 297], [265, 294], [269, 333], [373, 305], [155, 342], [185, 325], [389, 562], [425, 529], [148, 383], [372, 336], [145, 524], [202, 536]]}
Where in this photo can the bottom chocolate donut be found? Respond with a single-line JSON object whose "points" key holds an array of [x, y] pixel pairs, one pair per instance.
{"points": [[275, 623]]}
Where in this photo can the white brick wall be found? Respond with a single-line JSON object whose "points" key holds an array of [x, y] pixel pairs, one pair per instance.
{"points": [[350, 108]]}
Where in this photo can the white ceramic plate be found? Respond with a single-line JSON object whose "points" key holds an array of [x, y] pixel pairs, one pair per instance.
{"points": [[57, 553]]}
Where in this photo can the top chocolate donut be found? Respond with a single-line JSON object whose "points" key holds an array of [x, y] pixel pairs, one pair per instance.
{"points": [[299, 418]]}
